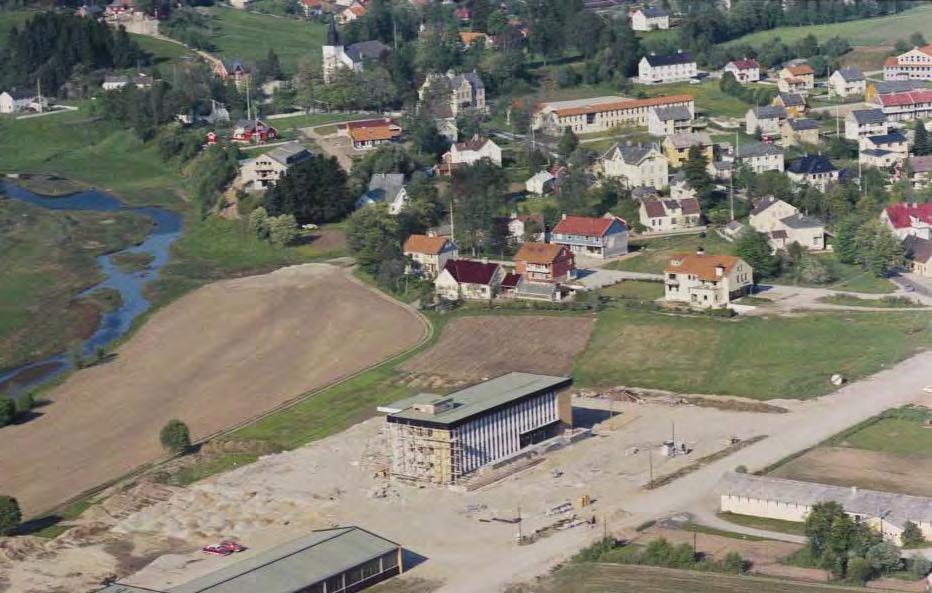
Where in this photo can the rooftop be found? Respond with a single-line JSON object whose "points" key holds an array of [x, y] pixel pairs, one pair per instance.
{"points": [[869, 116], [769, 112], [801, 221], [792, 100], [464, 404], [757, 149], [686, 139], [680, 57], [675, 112], [811, 164], [850, 74], [702, 265], [630, 153], [539, 253], [467, 271], [289, 567], [799, 125], [603, 104], [586, 226], [897, 508], [424, 244], [902, 213], [289, 153], [800, 70]]}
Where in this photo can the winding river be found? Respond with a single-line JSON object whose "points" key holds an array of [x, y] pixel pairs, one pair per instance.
{"points": [[114, 324]]}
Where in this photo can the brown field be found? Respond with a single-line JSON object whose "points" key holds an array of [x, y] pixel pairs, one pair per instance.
{"points": [[844, 466], [217, 357], [475, 347]]}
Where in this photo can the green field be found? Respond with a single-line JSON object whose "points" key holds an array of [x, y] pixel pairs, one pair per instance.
{"points": [[710, 100], [75, 145], [850, 300], [160, 49], [312, 119], [878, 31], [616, 578], [900, 431], [757, 357], [48, 257], [250, 35], [632, 289]]}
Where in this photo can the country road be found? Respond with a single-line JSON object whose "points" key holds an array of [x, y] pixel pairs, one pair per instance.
{"points": [[806, 425]]}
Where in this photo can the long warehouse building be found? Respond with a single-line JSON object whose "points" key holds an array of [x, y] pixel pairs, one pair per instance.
{"points": [[339, 560], [442, 439], [601, 114]]}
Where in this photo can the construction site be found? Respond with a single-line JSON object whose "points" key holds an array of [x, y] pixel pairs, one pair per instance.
{"points": [[544, 505]]}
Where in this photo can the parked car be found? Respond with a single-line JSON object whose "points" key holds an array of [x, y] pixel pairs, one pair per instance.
{"points": [[216, 550], [232, 546]]}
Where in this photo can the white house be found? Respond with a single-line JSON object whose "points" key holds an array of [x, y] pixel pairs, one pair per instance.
{"points": [[746, 70], [428, 255], [592, 237], [865, 122], [264, 171], [678, 67], [706, 281], [767, 119], [638, 165], [661, 215], [472, 151], [540, 183], [760, 157], [783, 224], [666, 121], [813, 169], [14, 101], [457, 92], [650, 18], [387, 188], [469, 280], [883, 150], [909, 219], [846, 82]]}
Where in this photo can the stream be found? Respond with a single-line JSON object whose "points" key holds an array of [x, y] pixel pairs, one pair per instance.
{"points": [[114, 324]]}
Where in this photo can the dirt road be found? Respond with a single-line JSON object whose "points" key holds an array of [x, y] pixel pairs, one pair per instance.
{"points": [[223, 354]]}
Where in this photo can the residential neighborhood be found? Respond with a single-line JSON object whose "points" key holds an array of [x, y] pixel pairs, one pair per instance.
{"points": [[544, 296]]}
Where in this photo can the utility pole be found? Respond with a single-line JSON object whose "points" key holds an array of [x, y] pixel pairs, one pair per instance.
{"points": [[734, 168], [837, 132], [452, 233]]}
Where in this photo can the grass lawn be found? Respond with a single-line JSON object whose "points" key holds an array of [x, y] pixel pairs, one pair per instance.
{"points": [[161, 50], [705, 529], [900, 431], [778, 525], [633, 289], [620, 578], [48, 258], [756, 357], [10, 19], [877, 31], [709, 99], [886, 302], [653, 255], [313, 119], [250, 35]]}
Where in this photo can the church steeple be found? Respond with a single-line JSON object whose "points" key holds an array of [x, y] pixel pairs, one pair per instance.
{"points": [[333, 36]]}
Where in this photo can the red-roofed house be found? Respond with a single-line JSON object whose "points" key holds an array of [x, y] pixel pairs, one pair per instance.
{"points": [[906, 105], [706, 281], [370, 133], [909, 219], [545, 262], [746, 70], [253, 130], [802, 75], [467, 279], [592, 237], [428, 254], [916, 64]]}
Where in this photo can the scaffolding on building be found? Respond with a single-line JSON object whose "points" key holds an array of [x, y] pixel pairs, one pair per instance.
{"points": [[423, 454]]}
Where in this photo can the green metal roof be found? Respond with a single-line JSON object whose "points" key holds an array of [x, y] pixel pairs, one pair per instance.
{"points": [[287, 568], [477, 399]]}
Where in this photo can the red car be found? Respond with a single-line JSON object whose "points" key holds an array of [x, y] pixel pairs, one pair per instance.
{"points": [[216, 550], [232, 546]]}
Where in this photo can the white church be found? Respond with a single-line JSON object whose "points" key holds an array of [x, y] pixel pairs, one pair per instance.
{"points": [[354, 56]]}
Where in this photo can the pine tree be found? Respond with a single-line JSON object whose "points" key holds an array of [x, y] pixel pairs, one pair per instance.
{"points": [[921, 144], [568, 142]]}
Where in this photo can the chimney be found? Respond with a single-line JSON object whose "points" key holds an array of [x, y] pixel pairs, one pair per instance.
{"points": [[719, 271], [564, 216], [700, 250]]}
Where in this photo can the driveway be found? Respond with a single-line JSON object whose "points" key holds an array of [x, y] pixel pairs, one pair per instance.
{"points": [[787, 298]]}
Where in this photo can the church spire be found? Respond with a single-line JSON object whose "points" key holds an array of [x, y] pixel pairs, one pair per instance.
{"points": [[333, 37]]}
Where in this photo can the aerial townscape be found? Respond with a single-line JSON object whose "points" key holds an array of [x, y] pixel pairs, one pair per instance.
{"points": [[465, 296]]}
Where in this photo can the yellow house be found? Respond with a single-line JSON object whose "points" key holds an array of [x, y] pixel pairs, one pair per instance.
{"points": [[802, 72], [676, 146]]}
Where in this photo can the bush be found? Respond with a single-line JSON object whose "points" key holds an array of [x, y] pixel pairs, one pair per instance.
{"points": [[25, 402], [919, 566], [912, 536], [859, 570], [7, 410], [175, 436], [10, 515], [733, 562]]}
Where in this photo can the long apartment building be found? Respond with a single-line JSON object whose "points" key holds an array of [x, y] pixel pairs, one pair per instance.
{"points": [[916, 64], [906, 105], [442, 439], [600, 114]]}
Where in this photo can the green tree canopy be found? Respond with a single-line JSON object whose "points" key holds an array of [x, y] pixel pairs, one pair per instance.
{"points": [[754, 248], [175, 436], [314, 190], [10, 515]]}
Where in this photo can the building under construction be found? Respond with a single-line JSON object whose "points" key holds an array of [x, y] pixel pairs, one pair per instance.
{"points": [[441, 439]]}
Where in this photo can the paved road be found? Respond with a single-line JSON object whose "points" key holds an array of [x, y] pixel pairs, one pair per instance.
{"points": [[807, 425]]}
